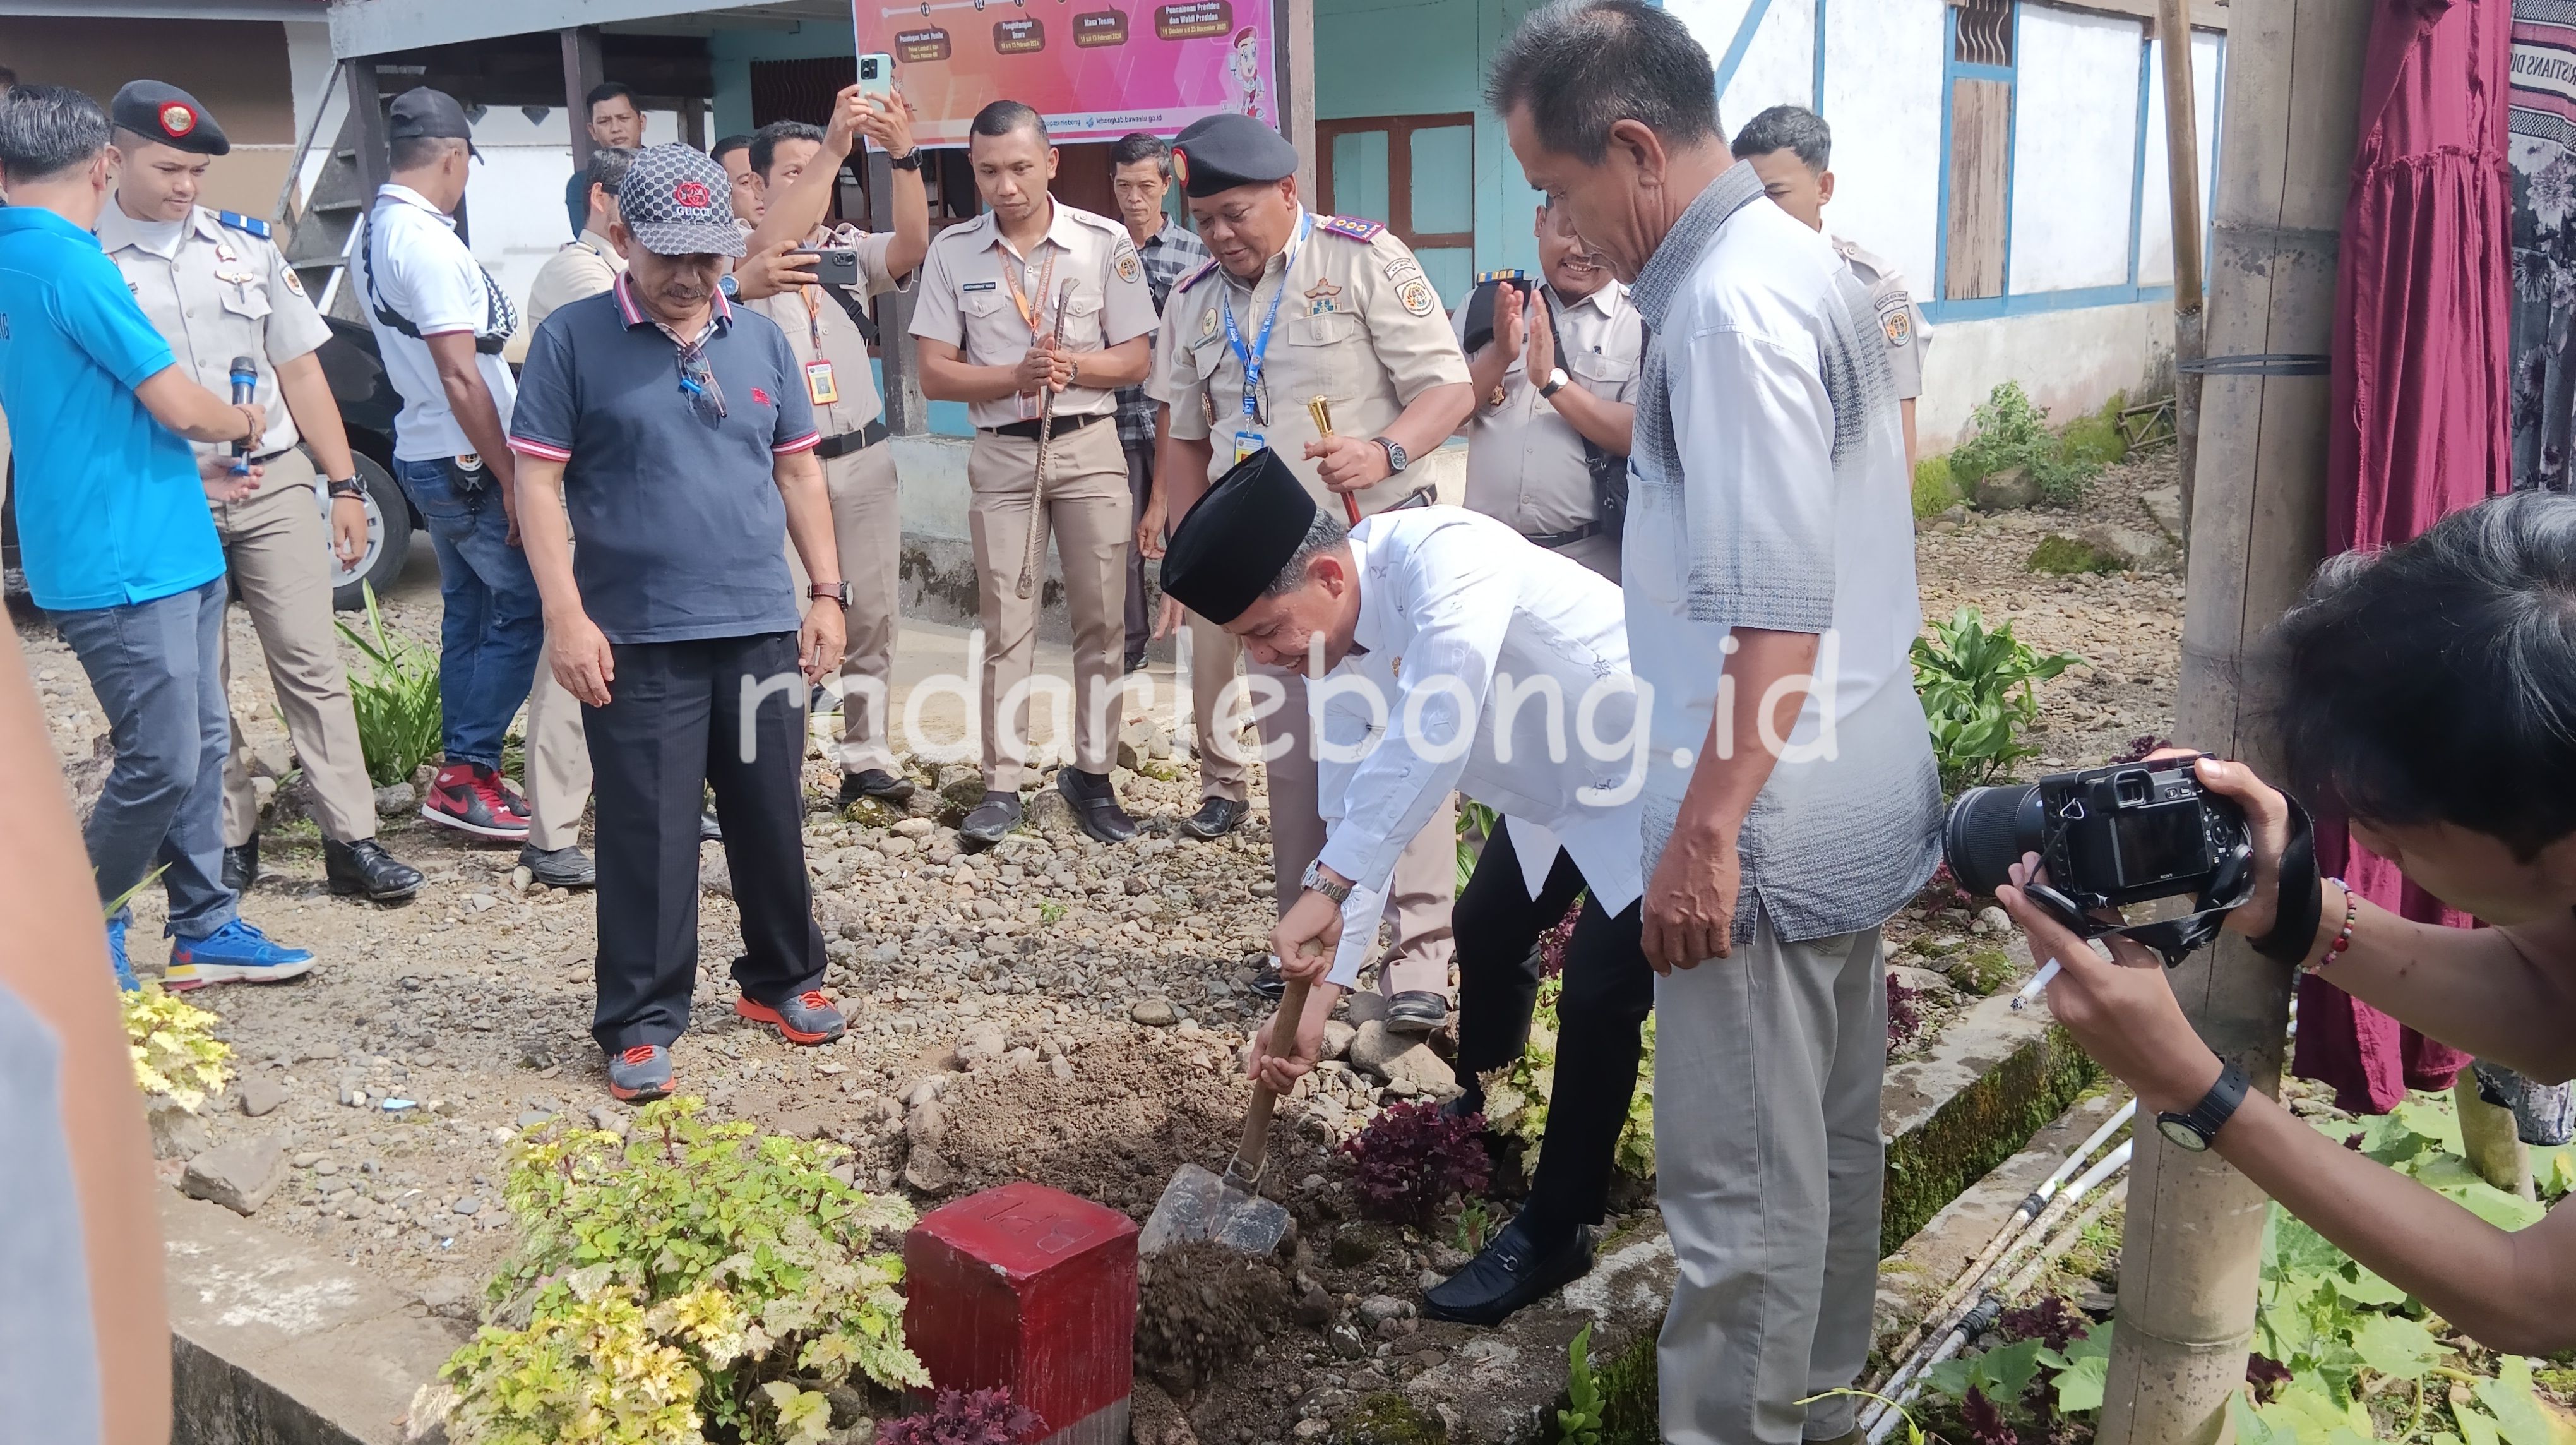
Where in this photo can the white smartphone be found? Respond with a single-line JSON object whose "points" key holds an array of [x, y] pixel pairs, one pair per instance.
{"points": [[876, 77]]}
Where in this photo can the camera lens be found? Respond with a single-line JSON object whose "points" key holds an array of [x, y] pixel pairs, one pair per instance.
{"points": [[1988, 831]]}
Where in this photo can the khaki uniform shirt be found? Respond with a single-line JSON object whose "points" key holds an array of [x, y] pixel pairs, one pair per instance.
{"points": [[215, 292], [967, 301], [583, 268], [1359, 325], [831, 356], [1898, 317], [1526, 464]]}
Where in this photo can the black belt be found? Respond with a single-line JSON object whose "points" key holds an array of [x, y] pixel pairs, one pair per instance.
{"points": [[851, 441], [272, 456], [1554, 540], [1028, 430]]}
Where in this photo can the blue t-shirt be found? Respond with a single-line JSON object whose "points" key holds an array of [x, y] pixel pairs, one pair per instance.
{"points": [[110, 509], [678, 516]]}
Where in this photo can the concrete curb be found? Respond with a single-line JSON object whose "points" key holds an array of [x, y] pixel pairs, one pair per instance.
{"points": [[272, 1344]]}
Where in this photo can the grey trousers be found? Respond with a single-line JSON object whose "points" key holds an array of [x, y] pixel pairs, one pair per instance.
{"points": [[157, 670], [1767, 1165]]}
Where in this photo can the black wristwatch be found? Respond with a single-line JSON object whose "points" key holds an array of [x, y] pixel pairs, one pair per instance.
{"points": [[346, 487], [1396, 460], [837, 592], [2197, 1128], [909, 161]]}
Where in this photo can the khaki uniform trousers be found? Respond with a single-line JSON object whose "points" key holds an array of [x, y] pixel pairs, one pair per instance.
{"points": [[867, 533], [1086, 508], [557, 761], [1426, 873], [277, 548]]}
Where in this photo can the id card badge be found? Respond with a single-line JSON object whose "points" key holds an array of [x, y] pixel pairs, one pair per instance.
{"points": [[819, 386], [1246, 443]]}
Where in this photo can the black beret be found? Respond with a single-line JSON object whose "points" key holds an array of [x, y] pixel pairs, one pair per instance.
{"points": [[1220, 152], [165, 113], [1230, 547]]}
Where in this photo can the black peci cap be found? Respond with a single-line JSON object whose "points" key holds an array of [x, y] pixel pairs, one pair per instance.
{"points": [[1230, 547], [421, 113], [1220, 152], [161, 112]]}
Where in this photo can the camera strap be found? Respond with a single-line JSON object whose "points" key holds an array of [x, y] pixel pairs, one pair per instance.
{"points": [[2173, 939], [2302, 894]]}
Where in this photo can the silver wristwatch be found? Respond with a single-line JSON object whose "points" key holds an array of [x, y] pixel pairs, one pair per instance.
{"points": [[1316, 882], [1396, 460]]}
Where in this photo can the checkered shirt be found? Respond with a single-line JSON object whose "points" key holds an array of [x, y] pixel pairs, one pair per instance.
{"points": [[1169, 254]]}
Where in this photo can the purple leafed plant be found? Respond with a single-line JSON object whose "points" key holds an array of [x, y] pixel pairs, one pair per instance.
{"points": [[1904, 1020], [1410, 1159], [2266, 1375], [2139, 747], [2048, 1319], [1552, 944], [985, 1417], [1985, 1421]]}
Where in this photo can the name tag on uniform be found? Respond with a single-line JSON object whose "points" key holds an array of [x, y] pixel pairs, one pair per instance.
{"points": [[980, 286], [1246, 443], [819, 385]]}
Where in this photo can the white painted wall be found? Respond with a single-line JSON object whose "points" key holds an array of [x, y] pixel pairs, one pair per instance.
{"points": [[2155, 210], [1779, 67], [1883, 99], [2069, 362], [2075, 143], [514, 202]]}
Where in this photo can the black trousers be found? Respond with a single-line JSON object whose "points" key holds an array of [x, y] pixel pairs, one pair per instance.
{"points": [[1140, 489], [675, 725], [1608, 990]]}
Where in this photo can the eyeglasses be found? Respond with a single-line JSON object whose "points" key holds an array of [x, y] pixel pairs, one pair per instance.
{"points": [[706, 397]]}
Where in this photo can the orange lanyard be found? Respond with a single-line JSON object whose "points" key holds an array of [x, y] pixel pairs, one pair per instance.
{"points": [[1046, 287], [813, 318]]}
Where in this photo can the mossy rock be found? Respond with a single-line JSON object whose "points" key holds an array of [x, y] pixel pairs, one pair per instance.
{"points": [[1981, 972], [2096, 439], [875, 813], [1357, 1243], [1387, 1418], [2057, 556], [1981, 1127], [1935, 490]]}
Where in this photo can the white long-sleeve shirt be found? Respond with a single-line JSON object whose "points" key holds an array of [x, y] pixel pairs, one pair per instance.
{"points": [[1487, 666]]}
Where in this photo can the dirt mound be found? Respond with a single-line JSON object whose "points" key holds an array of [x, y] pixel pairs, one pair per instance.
{"points": [[1200, 1307]]}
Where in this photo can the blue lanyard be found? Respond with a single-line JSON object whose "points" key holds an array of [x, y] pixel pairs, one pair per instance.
{"points": [[1251, 357]]}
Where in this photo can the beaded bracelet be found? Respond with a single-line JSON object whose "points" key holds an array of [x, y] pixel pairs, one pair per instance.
{"points": [[2343, 938]]}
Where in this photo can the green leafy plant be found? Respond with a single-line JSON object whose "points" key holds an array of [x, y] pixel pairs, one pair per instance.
{"points": [[1476, 823], [1935, 491], [1475, 1227], [1051, 910], [2009, 430], [1581, 1422], [1516, 1096], [1980, 694], [176, 1054], [691, 1282], [396, 701]]}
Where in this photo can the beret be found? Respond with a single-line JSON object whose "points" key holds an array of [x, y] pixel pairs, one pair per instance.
{"points": [[158, 111], [1220, 152], [1229, 548]]}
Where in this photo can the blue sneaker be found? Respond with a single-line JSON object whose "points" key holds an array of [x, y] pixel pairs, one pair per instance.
{"points": [[125, 979], [235, 952]]}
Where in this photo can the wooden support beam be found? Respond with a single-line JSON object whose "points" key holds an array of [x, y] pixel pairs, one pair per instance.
{"points": [[2182, 175], [1293, 53], [907, 411], [366, 124], [582, 69]]}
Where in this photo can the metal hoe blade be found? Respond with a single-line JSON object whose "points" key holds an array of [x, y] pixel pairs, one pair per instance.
{"points": [[1201, 1205]]}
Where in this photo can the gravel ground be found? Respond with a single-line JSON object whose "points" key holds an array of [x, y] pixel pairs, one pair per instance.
{"points": [[1073, 1009]]}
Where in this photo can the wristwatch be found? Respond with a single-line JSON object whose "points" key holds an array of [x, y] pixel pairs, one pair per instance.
{"points": [[1316, 882], [1396, 460], [909, 161], [345, 487], [1557, 381], [2197, 1128], [1073, 372], [729, 284], [837, 592]]}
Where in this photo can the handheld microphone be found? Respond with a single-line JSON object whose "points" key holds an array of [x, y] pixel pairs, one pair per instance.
{"points": [[245, 388]]}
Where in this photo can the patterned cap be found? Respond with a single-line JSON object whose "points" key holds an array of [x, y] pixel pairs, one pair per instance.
{"points": [[677, 201], [161, 112]]}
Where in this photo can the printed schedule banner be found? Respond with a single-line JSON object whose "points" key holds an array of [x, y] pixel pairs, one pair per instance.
{"points": [[1095, 69]]}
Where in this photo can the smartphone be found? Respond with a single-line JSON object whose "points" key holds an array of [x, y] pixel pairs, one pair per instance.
{"points": [[876, 77], [833, 266]]}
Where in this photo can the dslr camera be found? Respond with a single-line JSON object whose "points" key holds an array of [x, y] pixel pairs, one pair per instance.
{"points": [[2109, 837]]}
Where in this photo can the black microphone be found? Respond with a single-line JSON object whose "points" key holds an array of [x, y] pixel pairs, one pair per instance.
{"points": [[245, 387]]}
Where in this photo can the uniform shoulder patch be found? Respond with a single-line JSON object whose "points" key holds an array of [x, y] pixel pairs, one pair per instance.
{"points": [[251, 225], [1195, 277], [1898, 322], [1351, 228]]}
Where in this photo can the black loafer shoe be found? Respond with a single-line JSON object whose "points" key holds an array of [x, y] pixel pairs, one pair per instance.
{"points": [[241, 865], [1268, 982], [565, 867], [874, 783], [998, 814], [1514, 1271], [1215, 818], [709, 831], [1095, 805], [366, 869], [1416, 1011]]}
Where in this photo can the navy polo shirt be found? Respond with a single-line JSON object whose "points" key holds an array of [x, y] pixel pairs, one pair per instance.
{"points": [[110, 508], [678, 518]]}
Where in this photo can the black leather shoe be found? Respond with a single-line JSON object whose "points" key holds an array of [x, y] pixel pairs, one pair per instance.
{"points": [[366, 869], [1416, 1011], [1268, 982], [1095, 805], [998, 814], [241, 865], [709, 831], [1514, 1270], [873, 783], [1215, 818], [565, 867]]}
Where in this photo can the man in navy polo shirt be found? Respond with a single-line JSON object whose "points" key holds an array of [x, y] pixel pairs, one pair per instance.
{"points": [[677, 431], [118, 544]]}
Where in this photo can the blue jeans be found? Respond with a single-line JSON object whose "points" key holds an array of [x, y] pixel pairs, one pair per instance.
{"points": [[494, 633], [156, 667]]}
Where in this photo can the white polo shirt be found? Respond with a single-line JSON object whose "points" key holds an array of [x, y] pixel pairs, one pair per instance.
{"points": [[416, 267]]}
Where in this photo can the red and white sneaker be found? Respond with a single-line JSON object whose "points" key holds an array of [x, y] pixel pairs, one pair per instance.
{"points": [[473, 799]]}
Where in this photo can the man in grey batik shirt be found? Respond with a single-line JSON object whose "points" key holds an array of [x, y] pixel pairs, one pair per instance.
{"points": [[1791, 805]]}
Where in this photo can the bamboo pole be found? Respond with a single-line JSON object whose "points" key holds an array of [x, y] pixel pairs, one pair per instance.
{"points": [[2195, 1226], [2182, 183], [2491, 1139]]}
